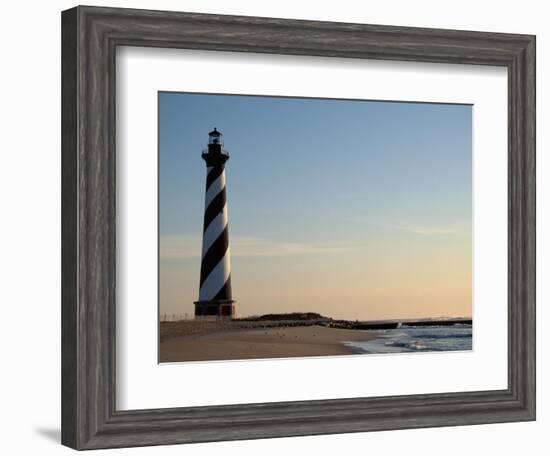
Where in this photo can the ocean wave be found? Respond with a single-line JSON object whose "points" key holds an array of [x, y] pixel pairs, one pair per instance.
{"points": [[442, 335], [407, 340], [414, 345]]}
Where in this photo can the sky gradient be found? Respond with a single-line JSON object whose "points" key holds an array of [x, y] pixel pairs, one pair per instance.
{"points": [[353, 209]]}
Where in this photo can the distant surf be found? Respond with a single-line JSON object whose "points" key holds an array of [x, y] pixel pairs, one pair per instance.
{"points": [[416, 339]]}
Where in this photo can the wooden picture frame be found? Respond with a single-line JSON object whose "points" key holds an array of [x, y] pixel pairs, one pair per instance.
{"points": [[90, 36]]}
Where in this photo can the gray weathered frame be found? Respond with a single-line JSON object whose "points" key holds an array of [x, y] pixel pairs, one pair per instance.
{"points": [[90, 36]]}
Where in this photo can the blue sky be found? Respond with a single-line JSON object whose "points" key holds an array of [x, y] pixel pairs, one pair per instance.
{"points": [[328, 200]]}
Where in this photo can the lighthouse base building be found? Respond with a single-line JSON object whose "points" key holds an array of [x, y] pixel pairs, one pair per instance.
{"points": [[218, 309], [215, 298]]}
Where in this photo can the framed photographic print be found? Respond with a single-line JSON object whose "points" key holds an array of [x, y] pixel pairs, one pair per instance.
{"points": [[391, 273], [279, 228]]}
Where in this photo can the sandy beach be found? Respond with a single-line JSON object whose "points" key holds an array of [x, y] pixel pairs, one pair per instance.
{"points": [[185, 341]]}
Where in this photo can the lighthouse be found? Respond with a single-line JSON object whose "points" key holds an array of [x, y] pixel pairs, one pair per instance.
{"points": [[215, 298]]}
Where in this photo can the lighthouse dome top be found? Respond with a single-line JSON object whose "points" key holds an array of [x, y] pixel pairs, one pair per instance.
{"points": [[214, 137]]}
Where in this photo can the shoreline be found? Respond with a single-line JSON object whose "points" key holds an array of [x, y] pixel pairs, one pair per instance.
{"points": [[222, 342]]}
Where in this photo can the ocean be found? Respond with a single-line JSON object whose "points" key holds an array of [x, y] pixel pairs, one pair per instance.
{"points": [[417, 339]]}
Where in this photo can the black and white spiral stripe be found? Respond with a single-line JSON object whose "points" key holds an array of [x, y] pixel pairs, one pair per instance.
{"points": [[215, 281]]}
